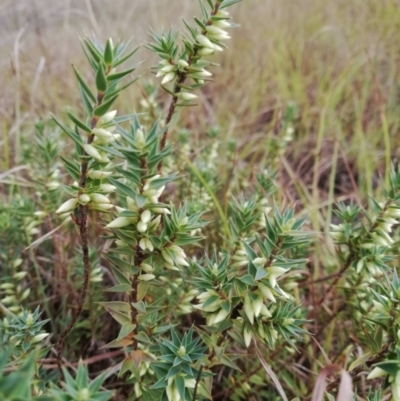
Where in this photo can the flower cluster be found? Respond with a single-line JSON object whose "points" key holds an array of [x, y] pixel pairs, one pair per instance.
{"points": [[89, 188], [23, 332], [247, 290], [369, 243], [179, 64]]}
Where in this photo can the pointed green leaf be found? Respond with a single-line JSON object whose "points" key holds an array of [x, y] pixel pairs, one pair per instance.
{"points": [[86, 89], [103, 108], [79, 123], [120, 288], [108, 53], [119, 75], [126, 329], [76, 138], [101, 80]]}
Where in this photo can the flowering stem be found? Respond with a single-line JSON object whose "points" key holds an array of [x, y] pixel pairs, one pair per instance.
{"points": [[138, 259], [178, 87], [134, 297], [83, 211], [81, 221]]}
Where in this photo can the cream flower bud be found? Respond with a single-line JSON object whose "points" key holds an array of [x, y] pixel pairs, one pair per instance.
{"points": [[183, 63], [261, 330], [273, 273], [102, 206], [139, 138], [104, 158], [214, 30], [132, 205], [19, 275], [206, 294], [149, 245], [99, 198], [146, 267], [9, 299], [40, 213], [222, 24], [144, 103], [67, 206], [265, 312], [117, 137], [138, 390], [218, 36], [168, 68], [142, 244], [170, 266], [222, 14], [204, 73], [181, 261], [146, 186], [145, 217], [168, 78], [146, 277], [39, 337], [248, 309], [360, 265], [6, 286], [376, 372], [84, 199], [205, 51], [29, 319], [218, 48], [266, 292], [145, 243], [53, 185], [107, 118], [92, 151], [177, 250], [258, 262], [120, 222], [257, 305], [247, 335], [221, 315], [186, 96], [102, 133], [167, 257], [172, 392], [204, 41], [393, 211], [190, 383], [379, 307], [141, 227], [98, 174], [107, 188]]}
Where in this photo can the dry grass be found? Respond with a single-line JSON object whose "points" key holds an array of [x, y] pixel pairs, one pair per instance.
{"points": [[337, 60]]}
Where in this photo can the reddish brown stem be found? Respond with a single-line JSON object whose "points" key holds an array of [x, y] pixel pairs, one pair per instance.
{"points": [[178, 87], [83, 211], [83, 232]]}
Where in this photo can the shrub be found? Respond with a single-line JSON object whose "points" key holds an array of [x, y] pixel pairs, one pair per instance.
{"points": [[207, 281]]}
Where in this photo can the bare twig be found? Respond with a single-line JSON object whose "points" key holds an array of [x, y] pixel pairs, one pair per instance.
{"points": [[197, 383]]}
